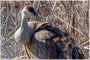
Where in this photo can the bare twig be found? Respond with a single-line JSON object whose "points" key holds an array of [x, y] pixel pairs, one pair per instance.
{"points": [[69, 24], [54, 5], [84, 43], [6, 19]]}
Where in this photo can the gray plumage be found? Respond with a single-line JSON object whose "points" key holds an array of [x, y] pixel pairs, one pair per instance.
{"points": [[43, 41]]}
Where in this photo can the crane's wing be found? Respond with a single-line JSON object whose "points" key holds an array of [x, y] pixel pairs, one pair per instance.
{"points": [[51, 42]]}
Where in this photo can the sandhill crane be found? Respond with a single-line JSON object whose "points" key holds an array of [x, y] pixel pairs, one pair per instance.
{"points": [[46, 43], [23, 32]]}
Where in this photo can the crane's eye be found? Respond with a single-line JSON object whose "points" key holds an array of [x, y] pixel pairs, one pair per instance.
{"points": [[31, 9]]}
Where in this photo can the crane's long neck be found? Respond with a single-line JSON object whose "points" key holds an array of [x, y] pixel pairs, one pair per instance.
{"points": [[24, 24]]}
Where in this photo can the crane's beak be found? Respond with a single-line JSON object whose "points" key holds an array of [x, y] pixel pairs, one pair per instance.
{"points": [[38, 15]]}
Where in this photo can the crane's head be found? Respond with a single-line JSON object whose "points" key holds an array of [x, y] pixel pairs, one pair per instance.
{"points": [[28, 11]]}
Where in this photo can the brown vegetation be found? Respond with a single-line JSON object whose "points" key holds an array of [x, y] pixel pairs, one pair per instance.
{"points": [[74, 13]]}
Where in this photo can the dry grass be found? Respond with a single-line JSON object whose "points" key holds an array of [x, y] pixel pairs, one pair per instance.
{"points": [[75, 13]]}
